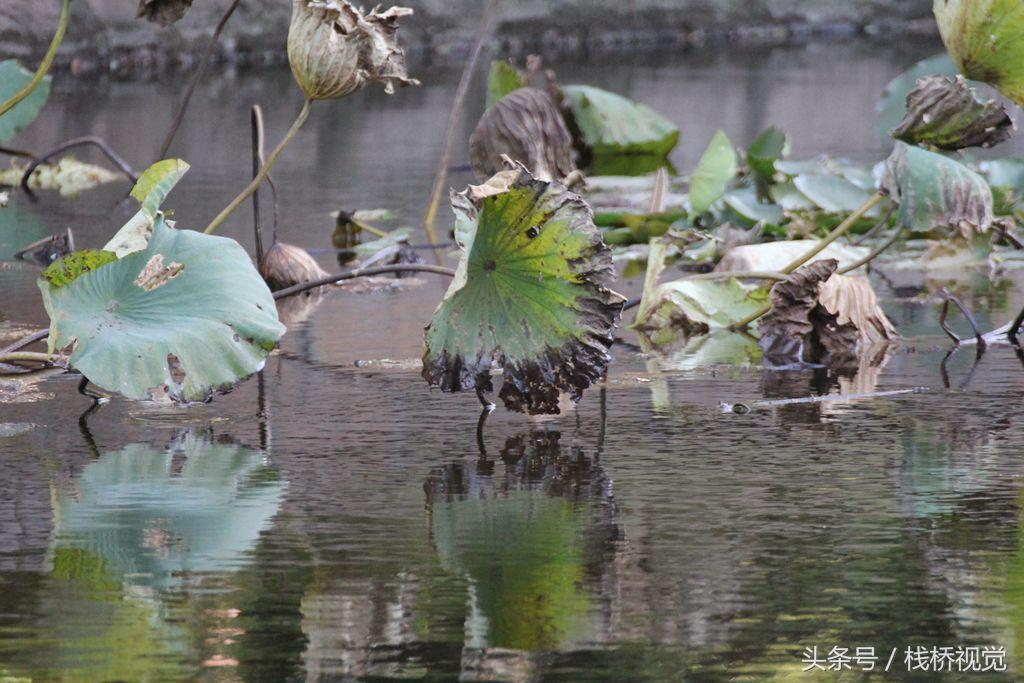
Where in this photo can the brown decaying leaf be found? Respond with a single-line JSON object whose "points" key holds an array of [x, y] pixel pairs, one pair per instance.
{"points": [[527, 126], [335, 48], [285, 265], [945, 113], [163, 12], [820, 316]]}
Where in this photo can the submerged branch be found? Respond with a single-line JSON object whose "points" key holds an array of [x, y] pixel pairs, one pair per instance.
{"points": [[365, 272], [30, 357], [203, 63], [44, 66], [948, 297], [88, 140], [251, 187]]}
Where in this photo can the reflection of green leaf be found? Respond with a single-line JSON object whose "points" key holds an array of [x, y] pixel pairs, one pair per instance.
{"points": [[934, 191], [612, 124], [204, 501], [767, 148], [524, 557], [13, 77], [502, 79], [893, 104], [986, 40], [186, 316], [529, 294], [717, 166]]}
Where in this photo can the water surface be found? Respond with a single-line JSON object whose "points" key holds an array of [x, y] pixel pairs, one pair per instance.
{"points": [[336, 520]]}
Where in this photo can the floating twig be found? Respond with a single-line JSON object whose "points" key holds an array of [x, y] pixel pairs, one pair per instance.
{"points": [[89, 140], [365, 272], [743, 408]]}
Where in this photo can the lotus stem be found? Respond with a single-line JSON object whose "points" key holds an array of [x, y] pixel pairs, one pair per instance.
{"points": [[44, 67], [251, 187], [257, 164], [353, 274], [1011, 334], [179, 115], [874, 254], [948, 297], [441, 177], [840, 230], [740, 275], [40, 335], [29, 357]]}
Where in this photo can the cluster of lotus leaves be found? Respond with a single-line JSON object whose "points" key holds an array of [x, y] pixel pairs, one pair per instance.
{"points": [[530, 296], [161, 313]]}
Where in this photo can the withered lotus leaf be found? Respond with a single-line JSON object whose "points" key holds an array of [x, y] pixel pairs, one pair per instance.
{"points": [[530, 296]]}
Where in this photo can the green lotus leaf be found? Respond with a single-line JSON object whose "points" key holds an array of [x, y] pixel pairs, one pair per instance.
{"points": [[745, 202], [934, 191], [767, 148], [717, 166], [184, 317], [892, 106], [151, 189], [612, 124], [530, 295], [14, 77], [946, 113], [502, 79], [985, 38], [832, 193]]}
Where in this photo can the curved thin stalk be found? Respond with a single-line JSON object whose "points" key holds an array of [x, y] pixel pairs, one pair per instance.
{"points": [[840, 230], [740, 274], [453, 121], [44, 66], [92, 140], [203, 63], [257, 164], [37, 336], [353, 274], [251, 187], [874, 254]]}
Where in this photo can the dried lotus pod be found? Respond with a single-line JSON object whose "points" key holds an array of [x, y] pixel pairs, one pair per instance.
{"points": [[335, 49], [526, 126], [285, 265], [163, 12]]}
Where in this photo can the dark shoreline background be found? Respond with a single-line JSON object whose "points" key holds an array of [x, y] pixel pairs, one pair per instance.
{"points": [[105, 37]]}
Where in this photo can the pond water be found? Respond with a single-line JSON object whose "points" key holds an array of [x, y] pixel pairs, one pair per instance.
{"points": [[334, 519]]}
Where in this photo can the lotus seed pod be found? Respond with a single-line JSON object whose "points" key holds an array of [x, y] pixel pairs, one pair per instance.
{"points": [[335, 49], [285, 265]]}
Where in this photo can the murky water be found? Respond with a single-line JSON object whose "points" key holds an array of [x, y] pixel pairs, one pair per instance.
{"points": [[365, 527]]}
